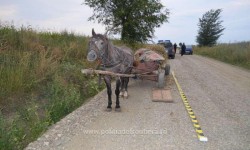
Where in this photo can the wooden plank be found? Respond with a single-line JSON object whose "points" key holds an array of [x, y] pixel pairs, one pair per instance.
{"points": [[92, 71]]}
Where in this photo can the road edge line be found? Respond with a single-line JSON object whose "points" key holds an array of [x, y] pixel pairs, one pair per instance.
{"points": [[193, 118]]}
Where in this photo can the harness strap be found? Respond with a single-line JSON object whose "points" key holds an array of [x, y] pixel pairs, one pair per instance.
{"points": [[110, 65]]}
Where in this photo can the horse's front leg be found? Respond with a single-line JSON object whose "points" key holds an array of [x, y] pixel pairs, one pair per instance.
{"points": [[117, 92], [107, 80]]}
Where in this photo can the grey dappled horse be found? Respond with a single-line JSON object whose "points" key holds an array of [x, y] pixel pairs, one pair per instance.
{"points": [[115, 59]]}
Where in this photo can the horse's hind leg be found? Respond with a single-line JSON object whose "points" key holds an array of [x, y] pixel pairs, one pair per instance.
{"points": [[117, 92], [107, 80], [126, 80]]}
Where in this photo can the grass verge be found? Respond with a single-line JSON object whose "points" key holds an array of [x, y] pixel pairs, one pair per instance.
{"points": [[40, 82], [234, 53]]}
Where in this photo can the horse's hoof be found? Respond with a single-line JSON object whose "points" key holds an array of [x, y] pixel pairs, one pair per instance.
{"points": [[121, 94], [125, 95], [118, 109], [109, 109]]}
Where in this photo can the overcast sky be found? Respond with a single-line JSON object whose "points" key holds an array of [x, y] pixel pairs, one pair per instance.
{"points": [[58, 15]]}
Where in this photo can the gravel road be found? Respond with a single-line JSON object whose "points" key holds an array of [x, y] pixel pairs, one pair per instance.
{"points": [[218, 93]]}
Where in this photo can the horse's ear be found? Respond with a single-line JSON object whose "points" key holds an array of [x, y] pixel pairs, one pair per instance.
{"points": [[106, 33], [93, 32]]}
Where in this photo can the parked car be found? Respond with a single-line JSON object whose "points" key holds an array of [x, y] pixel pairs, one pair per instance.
{"points": [[168, 47], [170, 50], [189, 50]]}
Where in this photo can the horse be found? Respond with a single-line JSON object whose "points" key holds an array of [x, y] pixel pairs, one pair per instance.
{"points": [[114, 59]]}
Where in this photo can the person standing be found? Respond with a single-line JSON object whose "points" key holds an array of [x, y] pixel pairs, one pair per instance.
{"points": [[183, 49], [175, 46]]}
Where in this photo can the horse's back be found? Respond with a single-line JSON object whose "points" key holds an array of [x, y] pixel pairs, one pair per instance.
{"points": [[126, 50], [125, 55]]}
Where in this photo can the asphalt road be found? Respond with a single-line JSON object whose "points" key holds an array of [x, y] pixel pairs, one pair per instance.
{"points": [[218, 93]]}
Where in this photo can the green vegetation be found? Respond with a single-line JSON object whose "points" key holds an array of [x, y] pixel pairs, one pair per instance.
{"points": [[134, 20], [40, 82], [210, 28], [235, 53]]}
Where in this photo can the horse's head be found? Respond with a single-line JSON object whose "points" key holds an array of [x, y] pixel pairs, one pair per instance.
{"points": [[97, 46]]}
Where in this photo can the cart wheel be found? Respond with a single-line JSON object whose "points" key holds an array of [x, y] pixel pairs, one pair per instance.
{"points": [[161, 78], [167, 69]]}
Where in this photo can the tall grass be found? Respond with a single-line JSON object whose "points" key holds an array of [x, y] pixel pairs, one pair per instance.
{"points": [[134, 46], [234, 53], [40, 81]]}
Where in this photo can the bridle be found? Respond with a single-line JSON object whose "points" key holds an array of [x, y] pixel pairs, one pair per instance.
{"points": [[104, 60], [93, 47]]}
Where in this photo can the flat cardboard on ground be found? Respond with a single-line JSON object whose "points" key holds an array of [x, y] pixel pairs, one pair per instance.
{"points": [[162, 95]]}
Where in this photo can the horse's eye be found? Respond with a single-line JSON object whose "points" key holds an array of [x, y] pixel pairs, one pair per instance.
{"points": [[102, 43]]}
